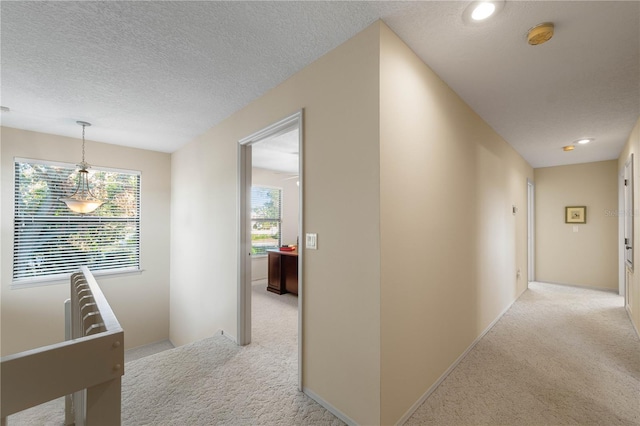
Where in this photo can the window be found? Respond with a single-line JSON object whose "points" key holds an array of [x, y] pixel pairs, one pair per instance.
{"points": [[266, 219], [50, 241]]}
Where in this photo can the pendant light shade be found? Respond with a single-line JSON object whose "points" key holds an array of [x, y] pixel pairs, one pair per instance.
{"points": [[82, 201]]}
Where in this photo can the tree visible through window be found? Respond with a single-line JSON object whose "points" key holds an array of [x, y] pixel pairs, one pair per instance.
{"points": [[50, 241], [266, 219]]}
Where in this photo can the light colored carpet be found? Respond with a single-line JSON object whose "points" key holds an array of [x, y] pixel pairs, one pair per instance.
{"points": [[143, 351], [214, 381], [560, 356]]}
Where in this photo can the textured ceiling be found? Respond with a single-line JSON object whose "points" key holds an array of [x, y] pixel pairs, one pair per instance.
{"points": [[585, 82], [156, 74], [279, 153]]}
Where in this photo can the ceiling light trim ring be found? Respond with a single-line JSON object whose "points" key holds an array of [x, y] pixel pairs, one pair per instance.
{"points": [[468, 13]]}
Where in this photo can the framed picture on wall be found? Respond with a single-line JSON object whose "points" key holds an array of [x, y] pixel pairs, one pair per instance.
{"points": [[575, 214]]}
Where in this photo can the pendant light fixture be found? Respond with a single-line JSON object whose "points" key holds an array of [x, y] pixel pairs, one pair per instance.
{"points": [[83, 201]]}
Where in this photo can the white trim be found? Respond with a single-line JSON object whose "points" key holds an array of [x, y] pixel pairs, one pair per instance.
{"points": [[585, 287], [273, 129], [629, 212], [64, 278], [299, 119], [60, 278], [531, 231], [244, 245], [281, 189], [433, 387], [628, 309], [74, 166], [244, 237], [333, 410], [226, 335], [621, 250]]}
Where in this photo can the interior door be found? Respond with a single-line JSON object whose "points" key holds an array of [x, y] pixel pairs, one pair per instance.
{"points": [[530, 232], [628, 212]]}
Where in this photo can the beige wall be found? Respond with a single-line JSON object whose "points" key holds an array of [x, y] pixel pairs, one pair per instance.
{"points": [[588, 257], [141, 302], [423, 185], [290, 208], [341, 312], [451, 246], [633, 277]]}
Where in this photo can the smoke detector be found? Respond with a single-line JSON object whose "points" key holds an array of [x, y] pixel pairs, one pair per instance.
{"points": [[540, 34]]}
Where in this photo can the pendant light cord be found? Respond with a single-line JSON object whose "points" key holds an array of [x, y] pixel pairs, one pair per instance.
{"points": [[83, 126]]}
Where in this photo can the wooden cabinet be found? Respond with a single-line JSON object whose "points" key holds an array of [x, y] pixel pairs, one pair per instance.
{"points": [[274, 280], [283, 272]]}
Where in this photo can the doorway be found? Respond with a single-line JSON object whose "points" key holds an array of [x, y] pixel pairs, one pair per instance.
{"points": [[626, 227], [530, 232], [272, 135]]}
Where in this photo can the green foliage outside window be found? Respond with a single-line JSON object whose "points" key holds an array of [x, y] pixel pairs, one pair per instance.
{"points": [[50, 240], [266, 219]]}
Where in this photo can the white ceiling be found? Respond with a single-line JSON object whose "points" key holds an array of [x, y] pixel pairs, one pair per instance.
{"points": [[154, 75], [279, 153]]}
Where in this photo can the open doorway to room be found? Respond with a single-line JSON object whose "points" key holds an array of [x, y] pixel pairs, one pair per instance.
{"points": [[626, 229], [531, 248], [270, 266]]}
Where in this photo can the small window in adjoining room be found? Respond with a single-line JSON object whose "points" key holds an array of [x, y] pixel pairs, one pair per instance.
{"points": [[266, 219], [51, 242]]}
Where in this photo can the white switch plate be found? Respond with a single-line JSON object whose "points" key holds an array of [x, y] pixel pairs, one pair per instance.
{"points": [[575, 228], [312, 241]]}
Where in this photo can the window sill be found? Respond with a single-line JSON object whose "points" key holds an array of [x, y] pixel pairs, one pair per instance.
{"points": [[64, 278]]}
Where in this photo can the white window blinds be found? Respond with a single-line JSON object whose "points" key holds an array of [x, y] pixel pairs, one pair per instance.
{"points": [[266, 219], [50, 241]]}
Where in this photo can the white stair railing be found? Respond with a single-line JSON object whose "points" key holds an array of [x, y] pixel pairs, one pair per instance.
{"points": [[87, 368]]}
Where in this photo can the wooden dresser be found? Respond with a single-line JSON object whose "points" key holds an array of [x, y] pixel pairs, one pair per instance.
{"points": [[283, 271]]}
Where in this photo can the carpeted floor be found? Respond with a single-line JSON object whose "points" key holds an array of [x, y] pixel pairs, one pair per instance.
{"points": [[214, 381], [560, 356]]}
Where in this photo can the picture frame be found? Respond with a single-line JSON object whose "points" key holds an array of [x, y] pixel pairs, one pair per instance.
{"points": [[575, 214]]}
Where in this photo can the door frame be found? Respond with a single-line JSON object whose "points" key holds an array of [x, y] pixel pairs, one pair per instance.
{"points": [[627, 242], [622, 274], [531, 246], [244, 227]]}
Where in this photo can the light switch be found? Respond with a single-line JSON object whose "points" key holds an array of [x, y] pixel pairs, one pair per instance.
{"points": [[575, 228], [312, 242]]}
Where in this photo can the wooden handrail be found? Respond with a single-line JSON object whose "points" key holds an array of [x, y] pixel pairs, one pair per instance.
{"points": [[108, 317], [94, 362]]}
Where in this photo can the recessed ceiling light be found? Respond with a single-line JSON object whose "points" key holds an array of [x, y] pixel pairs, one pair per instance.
{"points": [[478, 11], [584, 141], [482, 11], [568, 148]]}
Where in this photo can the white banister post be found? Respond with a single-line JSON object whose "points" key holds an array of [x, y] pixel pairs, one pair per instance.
{"points": [[68, 401], [104, 403]]}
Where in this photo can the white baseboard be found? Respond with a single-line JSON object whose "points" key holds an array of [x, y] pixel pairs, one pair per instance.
{"points": [[333, 410], [586, 287], [433, 387], [228, 336], [628, 309]]}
